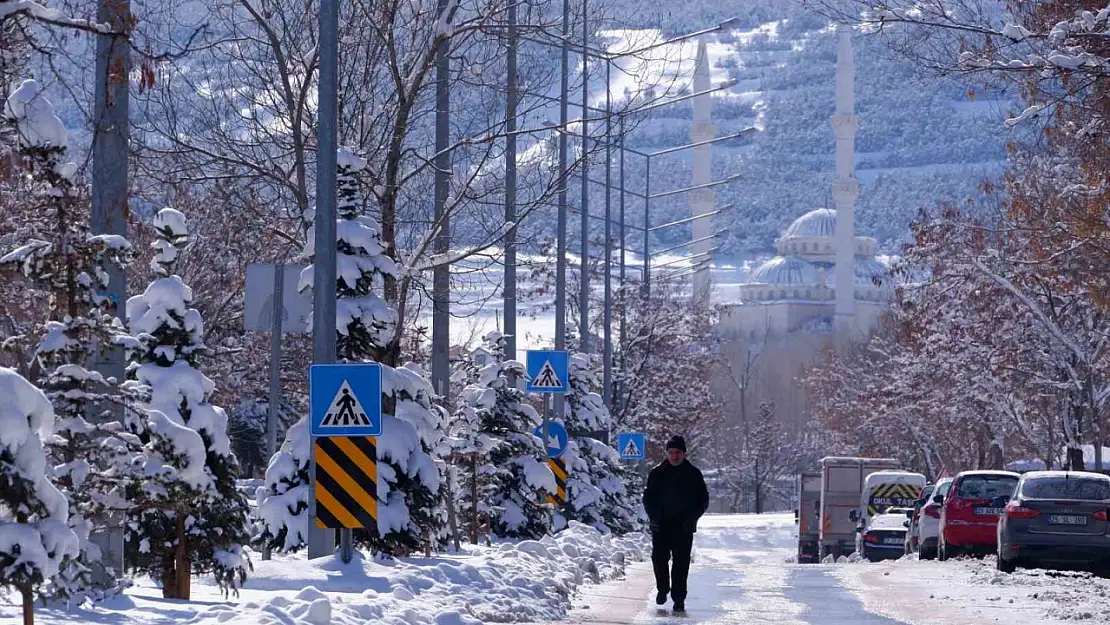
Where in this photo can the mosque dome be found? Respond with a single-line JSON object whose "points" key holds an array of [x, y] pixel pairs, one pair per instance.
{"points": [[816, 223], [786, 270]]}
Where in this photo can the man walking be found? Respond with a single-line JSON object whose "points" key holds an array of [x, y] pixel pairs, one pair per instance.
{"points": [[675, 498]]}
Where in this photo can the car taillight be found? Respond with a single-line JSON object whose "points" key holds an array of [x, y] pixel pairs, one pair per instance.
{"points": [[871, 538], [1101, 515], [1014, 511], [933, 511]]}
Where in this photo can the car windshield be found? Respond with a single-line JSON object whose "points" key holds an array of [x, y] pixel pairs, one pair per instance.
{"points": [[1060, 487], [889, 522], [986, 486]]}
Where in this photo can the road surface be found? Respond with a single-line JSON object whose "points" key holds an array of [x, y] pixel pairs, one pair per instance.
{"points": [[743, 574]]}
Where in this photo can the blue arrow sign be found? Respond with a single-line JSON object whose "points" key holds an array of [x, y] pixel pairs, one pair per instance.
{"points": [[557, 438], [549, 371], [632, 445], [346, 400]]}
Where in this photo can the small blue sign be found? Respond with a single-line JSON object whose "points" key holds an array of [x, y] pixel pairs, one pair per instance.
{"points": [[346, 399], [557, 438], [549, 371], [632, 445]]}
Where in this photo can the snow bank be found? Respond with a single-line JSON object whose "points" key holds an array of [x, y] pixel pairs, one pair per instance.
{"points": [[527, 581]]}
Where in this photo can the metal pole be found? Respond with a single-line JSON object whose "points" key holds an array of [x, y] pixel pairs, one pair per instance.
{"points": [[561, 245], [607, 369], [645, 286], [109, 205], [623, 315], [584, 278], [441, 274], [509, 291], [321, 542], [275, 369]]}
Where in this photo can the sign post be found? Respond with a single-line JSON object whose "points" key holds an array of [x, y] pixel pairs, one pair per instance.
{"points": [[346, 404], [549, 373]]}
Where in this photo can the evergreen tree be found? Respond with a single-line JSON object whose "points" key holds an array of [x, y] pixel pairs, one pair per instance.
{"points": [[37, 540], [495, 424], [189, 516], [411, 514], [597, 482], [69, 266], [283, 498]]}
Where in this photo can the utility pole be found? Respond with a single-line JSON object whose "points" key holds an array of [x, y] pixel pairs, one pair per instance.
{"points": [[561, 237], [110, 201], [584, 272], [509, 291], [441, 274], [321, 542], [622, 298]]}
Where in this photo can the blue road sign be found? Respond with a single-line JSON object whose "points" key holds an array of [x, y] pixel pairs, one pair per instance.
{"points": [[549, 371], [632, 445], [556, 438], [346, 400]]}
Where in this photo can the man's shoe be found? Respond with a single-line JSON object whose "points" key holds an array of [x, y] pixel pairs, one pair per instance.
{"points": [[660, 597], [679, 606]]}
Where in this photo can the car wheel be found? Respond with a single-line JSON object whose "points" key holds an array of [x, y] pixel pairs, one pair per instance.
{"points": [[1004, 565], [927, 553], [942, 551]]}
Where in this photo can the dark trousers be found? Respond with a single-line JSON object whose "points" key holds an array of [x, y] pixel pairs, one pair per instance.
{"points": [[664, 546]]}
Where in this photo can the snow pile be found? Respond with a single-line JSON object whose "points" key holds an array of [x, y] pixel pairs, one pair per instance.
{"points": [[527, 581], [1063, 595], [34, 116]]}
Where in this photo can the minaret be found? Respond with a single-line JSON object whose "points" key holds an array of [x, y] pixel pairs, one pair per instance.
{"points": [[702, 201], [845, 188]]}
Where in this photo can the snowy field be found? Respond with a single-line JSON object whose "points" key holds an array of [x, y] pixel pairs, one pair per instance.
{"points": [[510, 582]]}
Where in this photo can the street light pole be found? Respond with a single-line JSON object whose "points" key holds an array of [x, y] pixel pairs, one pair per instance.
{"points": [[509, 291], [622, 298], [645, 284], [584, 272], [561, 236], [607, 375], [441, 274]]}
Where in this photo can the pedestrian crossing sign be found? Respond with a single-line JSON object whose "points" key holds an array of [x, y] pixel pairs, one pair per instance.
{"points": [[346, 399], [631, 445], [548, 371]]}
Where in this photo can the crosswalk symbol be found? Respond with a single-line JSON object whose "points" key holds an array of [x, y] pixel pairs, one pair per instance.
{"points": [[547, 377], [345, 410], [631, 450]]}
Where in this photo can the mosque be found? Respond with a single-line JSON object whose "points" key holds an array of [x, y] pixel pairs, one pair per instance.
{"points": [[824, 286]]}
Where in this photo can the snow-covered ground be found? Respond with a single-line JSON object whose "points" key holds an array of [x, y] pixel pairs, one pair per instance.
{"points": [[510, 582], [743, 574]]}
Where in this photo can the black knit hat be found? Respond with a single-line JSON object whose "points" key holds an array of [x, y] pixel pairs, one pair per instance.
{"points": [[677, 442]]}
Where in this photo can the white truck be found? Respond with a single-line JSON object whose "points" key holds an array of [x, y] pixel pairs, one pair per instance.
{"points": [[808, 517], [842, 484]]}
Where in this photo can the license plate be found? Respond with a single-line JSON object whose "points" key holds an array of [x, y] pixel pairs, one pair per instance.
{"points": [[1066, 519], [893, 541], [988, 511]]}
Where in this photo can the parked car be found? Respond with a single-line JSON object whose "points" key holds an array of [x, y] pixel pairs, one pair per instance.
{"points": [[1057, 518], [928, 522], [913, 538], [969, 518], [884, 536]]}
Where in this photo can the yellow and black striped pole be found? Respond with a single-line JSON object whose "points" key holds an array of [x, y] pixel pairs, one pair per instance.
{"points": [[559, 468]]}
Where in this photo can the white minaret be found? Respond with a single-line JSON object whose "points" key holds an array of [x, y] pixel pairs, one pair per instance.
{"points": [[702, 201], [845, 188]]}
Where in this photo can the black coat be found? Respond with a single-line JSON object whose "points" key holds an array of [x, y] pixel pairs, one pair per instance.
{"points": [[675, 498]]}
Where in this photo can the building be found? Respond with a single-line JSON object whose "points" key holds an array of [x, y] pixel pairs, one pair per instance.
{"points": [[823, 287]]}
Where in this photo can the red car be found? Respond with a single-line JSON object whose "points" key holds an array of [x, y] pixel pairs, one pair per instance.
{"points": [[969, 518]]}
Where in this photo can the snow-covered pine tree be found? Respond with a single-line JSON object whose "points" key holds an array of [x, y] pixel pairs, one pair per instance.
{"points": [[597, 482], [188, 515], [411, 514], [36, 541], [283, 499], [64, 262], [494, 423]]}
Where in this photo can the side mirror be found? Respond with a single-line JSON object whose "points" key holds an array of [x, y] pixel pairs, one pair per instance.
{"points": [[909, 514], [906, 523], [939, 499], [853, 515], [1000, 501]]}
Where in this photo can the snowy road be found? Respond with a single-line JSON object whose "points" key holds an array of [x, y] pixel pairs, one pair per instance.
{"points": [[743, 574]]}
